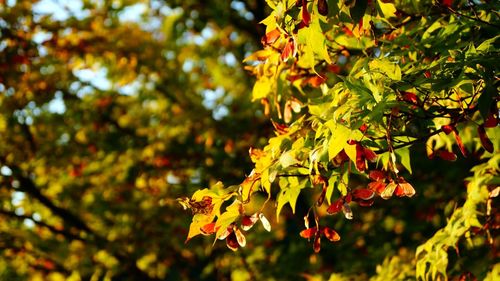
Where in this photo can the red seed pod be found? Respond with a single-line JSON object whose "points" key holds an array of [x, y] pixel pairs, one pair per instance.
{"points": [[485, 141], [331, 234], [377, 175], [377, 186], [335, 207], [366, 203], [317, 243], [369, 154], [232, 241], [446, 155], [308, 233], [306, 16], [363, 194], [248, 221]]}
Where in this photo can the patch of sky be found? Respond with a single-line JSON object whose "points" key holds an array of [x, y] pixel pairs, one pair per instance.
{"points": [[211, 100], [5, 171], [241, 9], [230, 59], [56, 105], [133, 13], [172, 179], [29, 223], [17, 198], [96, 78], [130, 89], [61, 10]]}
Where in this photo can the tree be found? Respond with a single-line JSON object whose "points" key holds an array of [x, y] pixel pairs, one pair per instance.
{"points": [[360, 91]]}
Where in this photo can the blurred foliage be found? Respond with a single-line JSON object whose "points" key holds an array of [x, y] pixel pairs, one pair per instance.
{"points": [[111, 110]]}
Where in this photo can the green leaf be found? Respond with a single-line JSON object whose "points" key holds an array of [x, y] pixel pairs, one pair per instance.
{"points": [[404, 156], [287, 159], [386, 10], [338, 140], [390, 69], [263, 87]]}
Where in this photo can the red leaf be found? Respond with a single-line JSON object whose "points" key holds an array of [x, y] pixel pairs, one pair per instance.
{"points": [[271, 37], [485, 141], [331, 234], [427, 74], [208, 229], [363, 194], [377, 186], [446, 155], [308, 233], [377, 175], [317, 243], [306, 16], [335, 207]]}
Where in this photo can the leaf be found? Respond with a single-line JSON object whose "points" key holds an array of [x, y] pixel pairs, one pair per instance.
{"points": [[386, 10], [339, 138], [384, 66], [261, 88], [287, 159], [404, 156]]}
